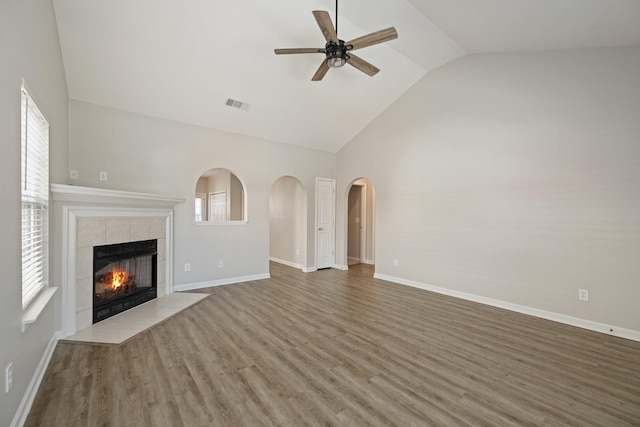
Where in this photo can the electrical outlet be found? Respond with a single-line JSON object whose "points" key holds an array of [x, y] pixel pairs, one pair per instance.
{"points": [[297, 251], [583, 294], [187, 267], [103, 176], [220, 264], [395, 262], [73, 174], [8, 377]]}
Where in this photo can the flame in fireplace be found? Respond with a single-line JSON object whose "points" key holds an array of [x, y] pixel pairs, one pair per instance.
{"points": [[118, 278]]}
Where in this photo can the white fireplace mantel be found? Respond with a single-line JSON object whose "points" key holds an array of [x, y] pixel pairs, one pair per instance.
{"points": [[74, 204], [89, 195]]}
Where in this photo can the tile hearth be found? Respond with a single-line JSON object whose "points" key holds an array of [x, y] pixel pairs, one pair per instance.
{"points": [[122, 327]]}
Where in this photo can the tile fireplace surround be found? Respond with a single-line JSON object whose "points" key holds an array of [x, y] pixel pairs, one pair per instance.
{"points": [[88, 217]]}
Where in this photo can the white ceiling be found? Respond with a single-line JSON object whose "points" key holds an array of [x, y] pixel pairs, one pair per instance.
{"points": [[182, 60]]}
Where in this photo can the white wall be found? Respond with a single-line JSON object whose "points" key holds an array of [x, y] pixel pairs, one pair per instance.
{"points": [[288, 222], [28, 49], [152, 155], [514, 177]]}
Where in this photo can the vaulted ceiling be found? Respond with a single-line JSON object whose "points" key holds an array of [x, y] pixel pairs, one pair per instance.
{"points": [[183, 60]]}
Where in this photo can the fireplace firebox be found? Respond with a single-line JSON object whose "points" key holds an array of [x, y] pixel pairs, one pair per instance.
{"points": [[124, 275]]}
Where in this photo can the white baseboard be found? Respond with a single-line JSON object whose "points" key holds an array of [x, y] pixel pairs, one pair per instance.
{"points": [[309, 269], [369, 261], [219, 282], [289, 263], [549, 315], [27, 400], [340, 266]]}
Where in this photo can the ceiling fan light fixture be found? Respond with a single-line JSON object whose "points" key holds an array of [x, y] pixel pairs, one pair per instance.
{"points": [[336, 54], [336, 61]]}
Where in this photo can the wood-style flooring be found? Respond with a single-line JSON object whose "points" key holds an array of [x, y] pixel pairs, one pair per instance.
{"points": [[340, 348]]}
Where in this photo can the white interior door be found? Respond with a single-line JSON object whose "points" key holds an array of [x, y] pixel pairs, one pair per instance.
{"points": [[218, 206], [325, 222]]}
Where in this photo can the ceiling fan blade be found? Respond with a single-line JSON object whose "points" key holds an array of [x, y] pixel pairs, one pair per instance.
{"points": [[322, 70], [288, 51], [362, 65], [374, 38], [326, 26]]}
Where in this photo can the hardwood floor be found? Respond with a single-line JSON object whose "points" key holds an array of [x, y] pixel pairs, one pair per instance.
{"points": [[340, 348]]}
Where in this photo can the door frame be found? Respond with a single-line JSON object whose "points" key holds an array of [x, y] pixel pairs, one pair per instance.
{"points": [[367, 221], [333, 222], [363, 222]]}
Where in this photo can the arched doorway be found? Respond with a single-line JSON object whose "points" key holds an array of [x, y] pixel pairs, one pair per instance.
{"points": [[360, 223]]}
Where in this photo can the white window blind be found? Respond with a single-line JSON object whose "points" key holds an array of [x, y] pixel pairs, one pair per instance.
{"points": [[35, 199]]}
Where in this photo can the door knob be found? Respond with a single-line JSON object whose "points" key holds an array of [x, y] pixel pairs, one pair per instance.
{"points": [[320, 229]]}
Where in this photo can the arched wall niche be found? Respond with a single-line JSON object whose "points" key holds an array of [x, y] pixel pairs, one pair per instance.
{"points": [[220, 197]]}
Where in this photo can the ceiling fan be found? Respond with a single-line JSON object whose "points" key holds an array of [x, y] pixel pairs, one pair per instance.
{"points": [[338, 52]]}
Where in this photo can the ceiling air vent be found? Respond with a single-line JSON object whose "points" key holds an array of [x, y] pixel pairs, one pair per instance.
{"points": [[238, 104]]}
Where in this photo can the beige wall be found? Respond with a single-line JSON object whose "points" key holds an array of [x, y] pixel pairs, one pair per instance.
{"points": [[288, 222], [202, 186], [219, 182], [513, 177], [152, 155], [28, 49], [236, 196]]}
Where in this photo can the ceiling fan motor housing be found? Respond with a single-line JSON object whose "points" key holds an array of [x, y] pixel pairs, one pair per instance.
{"points": [[336, 53]]}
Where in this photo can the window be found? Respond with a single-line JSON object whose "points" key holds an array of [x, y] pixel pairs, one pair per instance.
{"points": [[201, 205], [35, 199]]}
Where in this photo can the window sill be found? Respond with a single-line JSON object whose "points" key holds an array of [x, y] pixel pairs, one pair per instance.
{"points": [[37, 306]]}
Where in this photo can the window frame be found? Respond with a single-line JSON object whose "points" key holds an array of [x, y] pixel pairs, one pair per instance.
{"points": [[34, 196]]}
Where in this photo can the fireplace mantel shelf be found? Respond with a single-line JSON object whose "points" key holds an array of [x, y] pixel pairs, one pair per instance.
{"points": [[90, 195]]}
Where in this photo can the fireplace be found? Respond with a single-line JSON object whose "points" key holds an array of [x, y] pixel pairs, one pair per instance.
{"points": [[124, 275]]}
